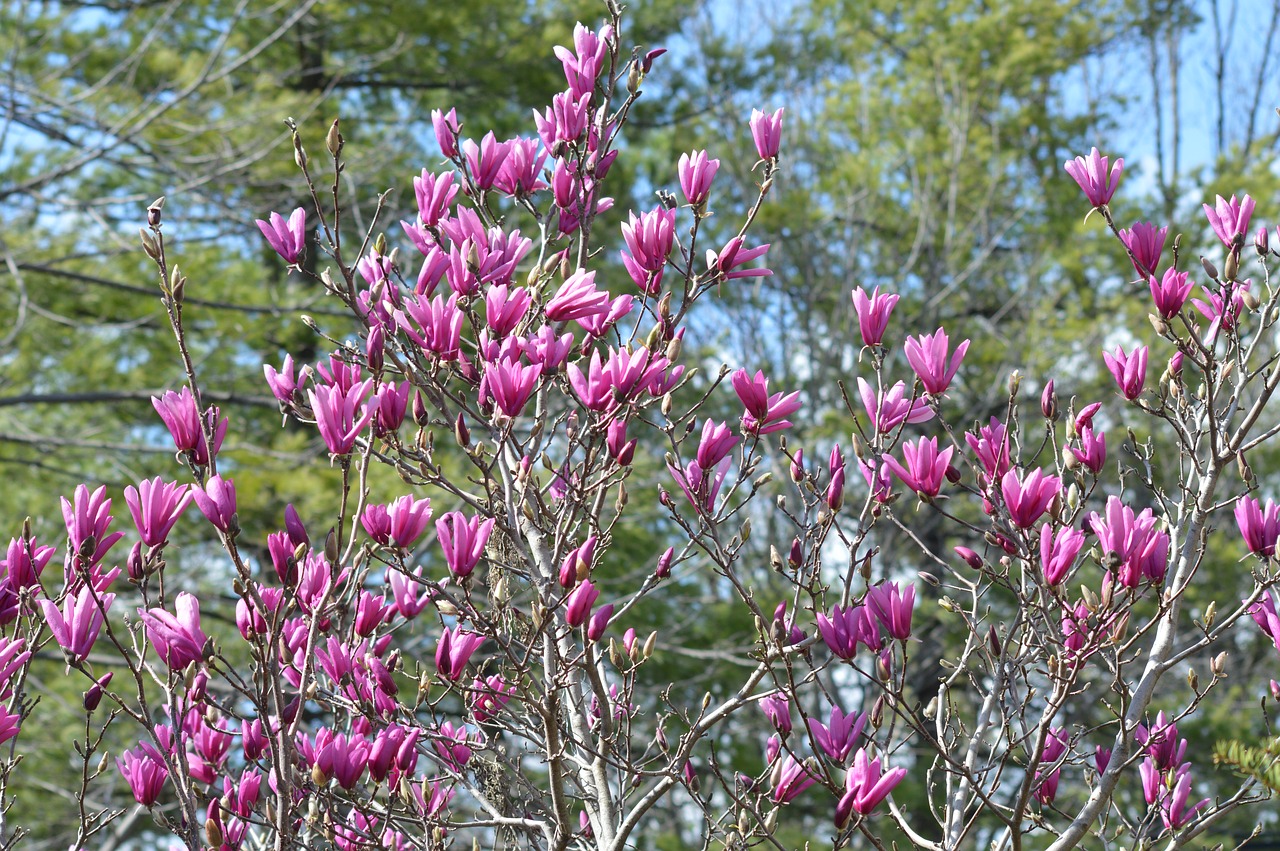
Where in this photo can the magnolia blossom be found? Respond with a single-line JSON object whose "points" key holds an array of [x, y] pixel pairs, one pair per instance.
{"points": [[766, 132], [1092, 176], [177, 638], [288, 237]]}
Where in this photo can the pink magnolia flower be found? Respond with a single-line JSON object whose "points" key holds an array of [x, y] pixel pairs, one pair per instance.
{"points": [[438, 324], [648, 242], [287, 237], [1058, 551], [793, 778], [1174, 811], [251, 620], [696, 172], [1222, 312], [511, 383], [599, 622], [891, 408], [1046, 781], [845, 628], [1129, 370], [599, 323], [1092, 176], [565, 120], [892, 605], [389, 407], [87, 516], [447, 128], [577, 298], [1264, 615], [865, 787], [579, 603], [178, 411], [339, 414], [485, 160], [341, 757], [873, 314], [144, 769], [716, 443], [408, 595], [454, 650], [991, 446], [1230, 219], [1092, 451], [435, 194], [1170, 292], [408, 519], [765, 413], [283, 384], [927, 355], [777, 709], [1027, 499], [12, 657], [489, 696], [582, 65], [733, 256], [548, 350], [617, 380], [1260, 527], [1137, 545], [463, 540], [76, 626], [926, 467], [1145, 242], [838, 738], [177, 639], [156, 506], [1162, 743], [766, 131], [217, 501], [577, 564], [520, 173], [504, 308]]}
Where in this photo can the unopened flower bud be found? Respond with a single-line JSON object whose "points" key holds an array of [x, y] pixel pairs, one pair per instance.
{"points": [[331, 546], [664, 563], [1209, 269], [970, 557], [1193, 679], [795, 556], [1219, 664], [333, 139], [135, 565], [460, 431], [1260, 242], [93, 696], [1015, 381], [153, 212], [1049, 401], [1250, 301], [1232, 267], [1210, 613], [149, 244], [797, 467]]}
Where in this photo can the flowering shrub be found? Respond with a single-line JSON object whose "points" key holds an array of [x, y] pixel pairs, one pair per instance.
{"points": [[417, 685]]}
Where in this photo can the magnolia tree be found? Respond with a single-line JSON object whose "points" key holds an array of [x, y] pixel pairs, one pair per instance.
{"points": [[448, 667]]}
